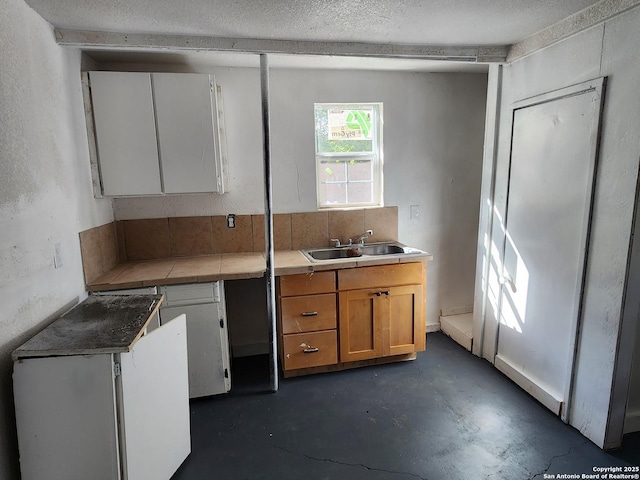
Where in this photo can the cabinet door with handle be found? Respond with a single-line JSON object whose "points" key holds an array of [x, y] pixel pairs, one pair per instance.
{"points": [[403, 332], [360, 320], [380, 322], [207, 351]]}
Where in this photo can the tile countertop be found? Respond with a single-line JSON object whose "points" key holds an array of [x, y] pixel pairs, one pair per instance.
{"points": [[228, 266]]}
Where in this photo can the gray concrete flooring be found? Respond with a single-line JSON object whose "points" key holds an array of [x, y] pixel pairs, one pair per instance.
{"points": [[446, 415]]}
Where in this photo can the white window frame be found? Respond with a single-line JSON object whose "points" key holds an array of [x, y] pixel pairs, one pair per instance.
{"points": [[376, 156]]}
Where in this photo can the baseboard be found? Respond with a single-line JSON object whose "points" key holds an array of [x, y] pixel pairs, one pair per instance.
{"points": [[632, 422], [249, 349], [445, 312], [432, 327], [532, 388]]}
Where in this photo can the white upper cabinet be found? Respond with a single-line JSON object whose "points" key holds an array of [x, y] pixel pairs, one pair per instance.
{"points": [[125, 133], [186, 128], [157, 133]]}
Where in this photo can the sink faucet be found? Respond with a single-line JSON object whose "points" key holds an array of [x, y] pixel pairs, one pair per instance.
{"points": [[359, 240]]}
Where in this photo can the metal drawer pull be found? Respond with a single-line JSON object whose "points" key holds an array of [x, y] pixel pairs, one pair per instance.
{"points": [[309, 348], [382, 293], [309, 314]]}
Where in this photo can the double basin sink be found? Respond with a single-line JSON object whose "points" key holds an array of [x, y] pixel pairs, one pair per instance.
{"points": [[358, 251]]}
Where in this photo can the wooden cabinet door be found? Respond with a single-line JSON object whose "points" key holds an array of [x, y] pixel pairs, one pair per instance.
{"points": [[402, 324], [125, 133], [360, 325], [381, 322]]}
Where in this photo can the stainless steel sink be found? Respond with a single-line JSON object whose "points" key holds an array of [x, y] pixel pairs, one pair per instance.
{"points": [[357, 251]]}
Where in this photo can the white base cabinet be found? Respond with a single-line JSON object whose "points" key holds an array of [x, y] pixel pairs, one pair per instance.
{"points": [[112, 416], [207, 334]]}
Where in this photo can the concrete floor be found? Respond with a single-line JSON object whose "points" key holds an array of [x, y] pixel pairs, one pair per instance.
{"points": [[447, 415]]}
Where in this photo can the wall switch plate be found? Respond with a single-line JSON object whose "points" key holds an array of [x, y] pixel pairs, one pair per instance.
{"points": [[231, 221], [414, 214], [57, 255]]}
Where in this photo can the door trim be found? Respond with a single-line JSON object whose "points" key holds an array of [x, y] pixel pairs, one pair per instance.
{"points": [[598, 86]]}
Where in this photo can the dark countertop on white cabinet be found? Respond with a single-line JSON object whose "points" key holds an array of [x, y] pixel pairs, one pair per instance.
{"points": [[99, 324]]}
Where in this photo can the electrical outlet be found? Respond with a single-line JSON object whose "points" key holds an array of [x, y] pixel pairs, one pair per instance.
{"points": [[414, 213], [231, 221], [57, 255]]}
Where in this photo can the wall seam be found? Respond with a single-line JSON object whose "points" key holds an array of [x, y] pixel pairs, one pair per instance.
{"points": [[604, 29]]}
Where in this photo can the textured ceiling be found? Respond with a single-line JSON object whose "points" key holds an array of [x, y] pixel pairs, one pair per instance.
{"points": [[426, 22]]}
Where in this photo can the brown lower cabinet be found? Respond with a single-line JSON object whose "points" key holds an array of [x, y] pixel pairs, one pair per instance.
{"points": [[340, 319]]}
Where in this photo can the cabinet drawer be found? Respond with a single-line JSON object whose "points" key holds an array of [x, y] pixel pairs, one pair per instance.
{"points": [[307, 284], [323, 346], [179, 294], [308, 313], [381, 276]]}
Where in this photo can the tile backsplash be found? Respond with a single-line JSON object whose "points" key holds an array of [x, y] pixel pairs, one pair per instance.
{"points": [[190, 236], [144, 239], [99, 250]]}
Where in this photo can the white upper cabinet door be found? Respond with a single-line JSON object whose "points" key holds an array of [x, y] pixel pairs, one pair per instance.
{"points": [[185, 109], [125, 133]]}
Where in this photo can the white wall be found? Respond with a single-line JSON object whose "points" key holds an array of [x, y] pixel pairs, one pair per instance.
{"points": [[433, 134], [609, 50], [45, 192]]}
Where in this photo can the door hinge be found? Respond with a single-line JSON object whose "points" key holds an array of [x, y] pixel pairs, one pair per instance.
{"points": [[226, 373], [222, 323], [116, 369]]}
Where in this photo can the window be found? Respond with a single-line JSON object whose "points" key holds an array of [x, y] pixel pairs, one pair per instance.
{"points": [[348, 154]]}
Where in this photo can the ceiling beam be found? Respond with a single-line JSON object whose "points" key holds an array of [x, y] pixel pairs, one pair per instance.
{"points": [[576, 23], [139, 41]]}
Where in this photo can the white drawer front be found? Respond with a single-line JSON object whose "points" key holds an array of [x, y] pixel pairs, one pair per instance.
{"points": [[193, 292]]}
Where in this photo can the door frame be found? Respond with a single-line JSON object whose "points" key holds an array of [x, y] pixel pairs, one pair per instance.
{"points": [[489, 339]]}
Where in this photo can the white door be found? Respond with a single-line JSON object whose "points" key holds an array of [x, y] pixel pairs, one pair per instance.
{"points": [[207, 346], [125, 133], [186, 132], [548, 215], [154, 404]]}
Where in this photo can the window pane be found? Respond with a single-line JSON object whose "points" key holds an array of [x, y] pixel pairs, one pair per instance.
{"points": [[360, 170], [348, 141], [333, 193], [360, 192], [333, 171], [344, 130]]}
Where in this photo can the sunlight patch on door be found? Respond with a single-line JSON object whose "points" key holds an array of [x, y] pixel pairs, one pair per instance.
{"points": [[515, 288]]}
